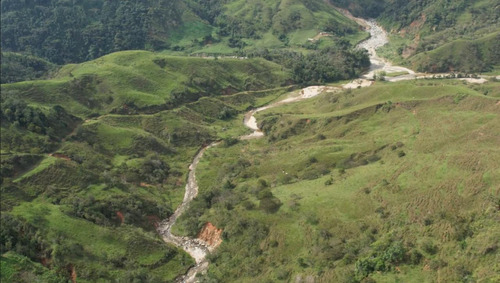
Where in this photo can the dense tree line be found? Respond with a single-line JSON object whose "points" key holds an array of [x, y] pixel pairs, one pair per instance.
{"points": [[55, 124], [65, 31], [330, 64], [17, 67], [362, 8]]}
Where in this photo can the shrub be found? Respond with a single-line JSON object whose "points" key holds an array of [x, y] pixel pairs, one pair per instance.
{"points": [[270, 204], [230, 142]]}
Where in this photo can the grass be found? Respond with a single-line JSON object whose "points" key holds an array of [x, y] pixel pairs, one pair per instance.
{"points": [[99, 242], [132, 79], [465, 55], [437, 180], [463, 45], [396, 74], [44, 164], [117, 145]]}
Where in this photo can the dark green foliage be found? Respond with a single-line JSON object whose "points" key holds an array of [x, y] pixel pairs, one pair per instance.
{"points": [[19, 236], [32, 129], [15, 164], [441, 14], [55, 124], [134, 209], [362, 8], [66, 32], [383, 260], [17, 67], [207, 9], [268, 202], [327, 65], [154, 170], [227, 142]]}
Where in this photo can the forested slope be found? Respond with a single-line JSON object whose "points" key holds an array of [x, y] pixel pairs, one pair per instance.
{"points": [[69, 32], [437, 36]]}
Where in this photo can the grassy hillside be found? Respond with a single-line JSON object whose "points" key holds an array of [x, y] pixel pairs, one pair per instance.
{"points": [[93, 158], [472, 56], [142, 81], [396, 182], [280, 24], [425, 32]]}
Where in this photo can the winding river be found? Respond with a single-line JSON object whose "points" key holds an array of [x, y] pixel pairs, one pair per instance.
{"points": [[199, 249]]}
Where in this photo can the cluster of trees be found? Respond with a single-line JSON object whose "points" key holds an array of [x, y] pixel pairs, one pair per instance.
{"points": [[18, 235], [362, 8], [115, 209], [330, 64], [21, 115], [17, 67], [439, 14], [27, 128], [66, 31]]}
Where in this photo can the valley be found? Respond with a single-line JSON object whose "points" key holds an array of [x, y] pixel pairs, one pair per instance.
{"points": [[213, 148], [199, 249]]}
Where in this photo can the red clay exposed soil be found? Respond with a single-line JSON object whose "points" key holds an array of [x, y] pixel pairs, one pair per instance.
{"points": [[120, 216], [73, 274], [145, 185], [153, 220], [210, 234]]}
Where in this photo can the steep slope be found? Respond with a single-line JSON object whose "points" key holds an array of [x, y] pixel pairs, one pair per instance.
{"points": [[94, 158], [17, 67], [437, 36], [142, 81], [441, 36], [64, 31], [393, 182]]}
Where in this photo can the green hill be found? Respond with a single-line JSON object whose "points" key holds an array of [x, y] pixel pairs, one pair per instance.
{"points": [[442, 36], [395, 182], [437, 36], [94, 157], [144, 82], [66, 32]]}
